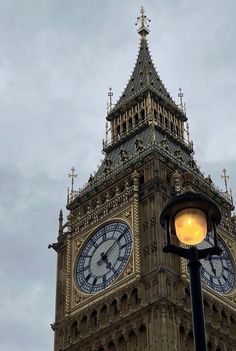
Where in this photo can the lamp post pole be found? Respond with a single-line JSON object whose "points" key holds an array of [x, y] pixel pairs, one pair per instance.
{"points": [[193, 255], [190, 216], [197, 303]]}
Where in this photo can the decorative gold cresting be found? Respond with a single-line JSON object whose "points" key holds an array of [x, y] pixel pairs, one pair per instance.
{"points": [[143, 21]]}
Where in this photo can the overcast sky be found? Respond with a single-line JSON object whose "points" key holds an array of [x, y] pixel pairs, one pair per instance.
{"points": [[57, 61]]}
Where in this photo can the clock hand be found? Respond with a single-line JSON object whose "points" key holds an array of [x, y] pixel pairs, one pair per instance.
{"points": [[219, 257], [212, 267], [110, 249], [102, 259], [105, 260]]}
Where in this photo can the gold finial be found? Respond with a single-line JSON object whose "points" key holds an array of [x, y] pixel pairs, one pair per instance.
{"points": [[225, 177], [181, 95], [143, 21], [72, 175], [109, 104], [182, 104]]}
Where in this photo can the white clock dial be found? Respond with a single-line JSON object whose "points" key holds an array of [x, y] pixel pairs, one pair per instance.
{"points": [[217, 271], [103, 257]]}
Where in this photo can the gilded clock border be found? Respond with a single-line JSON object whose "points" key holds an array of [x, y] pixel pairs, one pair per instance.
{"points": [[230, 245], [128, 215]]}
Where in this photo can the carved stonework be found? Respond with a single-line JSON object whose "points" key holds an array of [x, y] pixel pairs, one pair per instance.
{"points": [[147, 305]]}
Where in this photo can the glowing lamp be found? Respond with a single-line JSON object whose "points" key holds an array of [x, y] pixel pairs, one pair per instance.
{"points": [[191, 226], [190, 216]]}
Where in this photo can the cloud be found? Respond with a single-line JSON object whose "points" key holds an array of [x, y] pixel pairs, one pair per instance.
{"points": [[57, 61]]}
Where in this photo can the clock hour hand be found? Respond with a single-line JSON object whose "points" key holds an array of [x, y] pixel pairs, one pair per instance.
{"points": [[105, 260]]}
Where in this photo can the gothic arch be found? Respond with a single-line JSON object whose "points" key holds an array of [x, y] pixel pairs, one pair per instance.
{"points": [[124, 302], [103, 313], [114, 308], [135, 300], [111, 346]]}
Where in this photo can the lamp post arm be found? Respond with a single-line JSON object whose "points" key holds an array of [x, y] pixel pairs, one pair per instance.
{"points": [[210, 251], [180, 251]]}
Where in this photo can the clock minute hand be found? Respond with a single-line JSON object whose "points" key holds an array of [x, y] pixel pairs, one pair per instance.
{"points": [[110, 249], [212, 267]]}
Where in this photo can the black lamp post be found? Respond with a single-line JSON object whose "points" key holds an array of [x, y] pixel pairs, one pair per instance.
{"points": [[190, 216]]}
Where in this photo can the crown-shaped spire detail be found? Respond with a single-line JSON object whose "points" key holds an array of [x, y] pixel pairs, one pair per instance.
{"points": [[143, 21]]}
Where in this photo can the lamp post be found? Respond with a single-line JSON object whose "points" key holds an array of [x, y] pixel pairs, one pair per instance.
{"points": [[190, 216]]}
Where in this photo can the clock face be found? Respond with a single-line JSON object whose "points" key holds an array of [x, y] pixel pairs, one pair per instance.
{"points": [[217, 271], [103, 257]]}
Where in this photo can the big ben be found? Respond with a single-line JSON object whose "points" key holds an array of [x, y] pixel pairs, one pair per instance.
{"points": [[116, 290]]}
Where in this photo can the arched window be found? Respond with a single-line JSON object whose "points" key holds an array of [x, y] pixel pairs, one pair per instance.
{"points": [[136, 119], [111, 346], [114, 308], [75, 328], [135, 297], [161, 118], [124, 303], [84, 323], [166, 123], [122, 344], [103, 313], [177, 131], [130, 123], [142, 115], [124, 127], [155, 114], [118, 131], [94, 319]]}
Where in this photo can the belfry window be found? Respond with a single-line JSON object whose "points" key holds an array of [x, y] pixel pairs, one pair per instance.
{"points": [[177, 131], [155, 115], [161, 118], [166, 123], [130, 123], [124, 128], [142, 115], [118, 131]]}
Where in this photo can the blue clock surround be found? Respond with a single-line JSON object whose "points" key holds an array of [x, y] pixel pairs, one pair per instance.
{"points": [[217, 271], [103, 257]]}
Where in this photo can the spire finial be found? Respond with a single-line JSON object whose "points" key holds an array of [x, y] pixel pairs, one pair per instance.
{"points": [[182, 104], [225, 177], [109, 104], [143, 21], [72, 175]]}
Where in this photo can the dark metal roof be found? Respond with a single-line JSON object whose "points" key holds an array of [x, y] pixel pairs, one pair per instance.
{"points": [[144, 75], [146, 136]]}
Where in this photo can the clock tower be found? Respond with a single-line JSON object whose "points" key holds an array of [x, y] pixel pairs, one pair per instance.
{"points": [[116, 290]]}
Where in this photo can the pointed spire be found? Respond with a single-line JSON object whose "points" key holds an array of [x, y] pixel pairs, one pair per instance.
{"points": [[144, 76], [143, 21]]}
